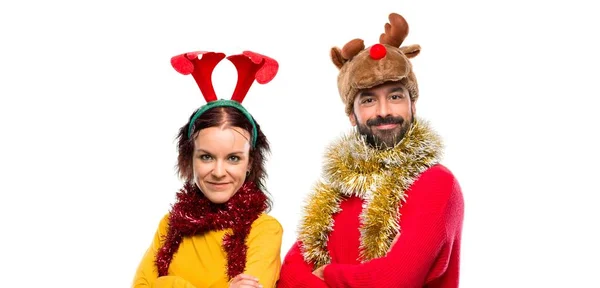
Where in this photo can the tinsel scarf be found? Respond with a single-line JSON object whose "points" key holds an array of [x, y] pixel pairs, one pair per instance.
{"points": [[193, 214], [380, 177]]}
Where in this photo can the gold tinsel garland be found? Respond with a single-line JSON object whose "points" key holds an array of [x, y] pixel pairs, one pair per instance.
{"points": [[380, 177]]}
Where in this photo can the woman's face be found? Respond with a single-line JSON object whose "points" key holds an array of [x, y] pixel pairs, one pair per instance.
{"points": [[221, 161]]}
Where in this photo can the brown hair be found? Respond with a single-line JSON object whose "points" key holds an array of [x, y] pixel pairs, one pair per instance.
{"points": [[217, 117]]}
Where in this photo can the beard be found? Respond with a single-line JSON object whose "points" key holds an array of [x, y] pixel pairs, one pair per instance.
{"points": [[382, 139]]}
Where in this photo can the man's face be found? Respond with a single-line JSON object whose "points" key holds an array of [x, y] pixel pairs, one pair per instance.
{"points": [[383, 113]]}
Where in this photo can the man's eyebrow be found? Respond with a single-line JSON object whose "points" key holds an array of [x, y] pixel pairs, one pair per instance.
{"points": [[396, 89], [365, 94]]}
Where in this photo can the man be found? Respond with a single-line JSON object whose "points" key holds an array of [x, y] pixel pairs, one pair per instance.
{"points": [[386, 213]]}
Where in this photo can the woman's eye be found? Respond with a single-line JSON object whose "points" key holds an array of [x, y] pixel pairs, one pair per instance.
{"points": [[205, 157], [234, 158]]}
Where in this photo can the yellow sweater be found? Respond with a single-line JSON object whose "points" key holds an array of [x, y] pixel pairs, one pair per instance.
{"points": [[200, 261]]}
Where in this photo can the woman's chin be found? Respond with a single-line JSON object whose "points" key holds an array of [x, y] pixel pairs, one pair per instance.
{"points": [[218, 197]]}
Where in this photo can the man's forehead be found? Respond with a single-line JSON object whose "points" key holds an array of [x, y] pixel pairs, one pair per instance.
{"points": [[388, 86]]}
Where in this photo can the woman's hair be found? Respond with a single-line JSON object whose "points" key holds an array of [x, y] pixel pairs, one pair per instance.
{"points": [[223, 117]]}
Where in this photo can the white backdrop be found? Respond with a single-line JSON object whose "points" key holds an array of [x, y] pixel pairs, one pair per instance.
{"points": [[90, 108]]}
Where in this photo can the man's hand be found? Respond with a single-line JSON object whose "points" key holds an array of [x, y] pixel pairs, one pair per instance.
{"points": [[244, 281], [394, 242], [319, 272]]}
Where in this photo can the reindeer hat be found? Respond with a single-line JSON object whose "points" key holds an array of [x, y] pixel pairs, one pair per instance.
{"points": [[250, 66], [362, 68]]}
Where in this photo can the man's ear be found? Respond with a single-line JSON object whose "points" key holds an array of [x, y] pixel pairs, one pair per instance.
{"points": [[413, 107], [352, 119]]}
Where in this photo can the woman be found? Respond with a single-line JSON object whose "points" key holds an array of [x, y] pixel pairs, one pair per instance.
{"points": [[218, 234]]}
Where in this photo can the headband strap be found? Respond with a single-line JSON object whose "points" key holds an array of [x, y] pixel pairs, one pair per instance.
{"points": [[224, 103]]}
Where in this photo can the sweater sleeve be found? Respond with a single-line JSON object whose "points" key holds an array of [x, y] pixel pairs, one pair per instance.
{"points": [[264, 251], [295, 272], [146, 275], [428, 227]]}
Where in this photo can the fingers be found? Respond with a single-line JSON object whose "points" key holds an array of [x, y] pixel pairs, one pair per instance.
{"points": [[245, 281], [248, 284], [319, 272], [243, 277], [393, 242]]}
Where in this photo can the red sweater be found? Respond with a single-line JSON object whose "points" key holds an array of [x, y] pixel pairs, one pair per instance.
{"points": [[425, 255]]}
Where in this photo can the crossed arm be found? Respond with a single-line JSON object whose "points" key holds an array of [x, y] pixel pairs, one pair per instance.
{"points": [[420, 253], [262, 261]]}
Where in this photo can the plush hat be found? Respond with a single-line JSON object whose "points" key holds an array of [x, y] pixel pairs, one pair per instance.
{"points": [[361, 67], [250, 66]]}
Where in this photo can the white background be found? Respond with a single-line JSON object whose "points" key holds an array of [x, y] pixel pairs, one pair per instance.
{"points": [[90, 108]]}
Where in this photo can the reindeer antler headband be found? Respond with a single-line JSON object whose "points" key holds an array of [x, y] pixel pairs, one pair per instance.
{"points": [[362, 68], [250, 66]]}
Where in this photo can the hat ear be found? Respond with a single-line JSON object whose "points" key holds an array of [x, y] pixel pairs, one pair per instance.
{"points": [[411, 51], [336, 57], [340, 56]]}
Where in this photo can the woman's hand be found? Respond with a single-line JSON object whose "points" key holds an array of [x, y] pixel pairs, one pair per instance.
{"points": [[244, 281]]}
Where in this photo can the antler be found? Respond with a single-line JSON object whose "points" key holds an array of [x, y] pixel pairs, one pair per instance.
{"points": [[252, 66], [352, 48], [200, 68], [395, 31]]}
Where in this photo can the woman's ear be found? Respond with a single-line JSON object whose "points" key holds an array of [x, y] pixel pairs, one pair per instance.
{"points": [[250, 162]]}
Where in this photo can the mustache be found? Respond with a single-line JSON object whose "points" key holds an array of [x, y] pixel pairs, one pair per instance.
{"points": [[385, 120]]}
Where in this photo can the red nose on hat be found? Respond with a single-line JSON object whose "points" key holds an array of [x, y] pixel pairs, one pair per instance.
{"points": [[377, 51]]}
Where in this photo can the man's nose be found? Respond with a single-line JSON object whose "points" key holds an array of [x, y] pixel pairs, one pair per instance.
{"points": [[383, 108]]}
